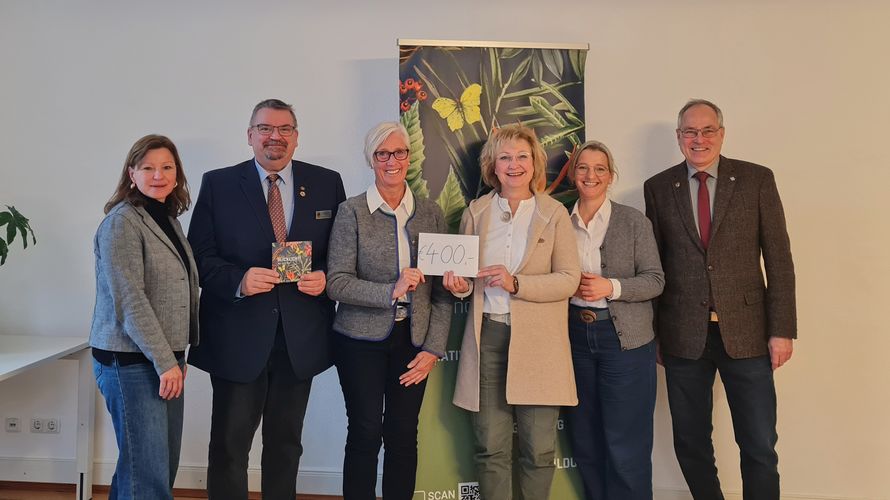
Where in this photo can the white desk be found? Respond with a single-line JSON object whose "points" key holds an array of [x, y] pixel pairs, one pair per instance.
{"points": [[19, 353]]}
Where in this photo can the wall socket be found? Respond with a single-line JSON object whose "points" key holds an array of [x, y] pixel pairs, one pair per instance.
{"points": [[13, 424], [45, 425]]}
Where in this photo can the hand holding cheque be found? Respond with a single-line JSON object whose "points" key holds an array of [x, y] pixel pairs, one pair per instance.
{"points": [[456, 257]]}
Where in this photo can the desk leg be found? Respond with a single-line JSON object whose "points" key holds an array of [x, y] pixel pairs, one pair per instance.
{"points": [[86, 404]]}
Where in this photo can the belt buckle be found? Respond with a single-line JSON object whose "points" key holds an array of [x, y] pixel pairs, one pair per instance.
{"points": [[401, 313], [588, 316]]}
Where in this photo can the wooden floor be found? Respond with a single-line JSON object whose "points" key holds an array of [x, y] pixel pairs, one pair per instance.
{"points": [[46, 491]]}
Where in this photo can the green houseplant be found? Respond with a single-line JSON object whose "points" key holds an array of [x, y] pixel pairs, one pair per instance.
{"points": [[15, 222]]}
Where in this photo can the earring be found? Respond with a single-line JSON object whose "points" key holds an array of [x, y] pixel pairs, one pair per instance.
{"points": [[176, 185], [132, 185]]}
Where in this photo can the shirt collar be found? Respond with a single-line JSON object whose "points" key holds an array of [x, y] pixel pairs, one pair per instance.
{"points": [[286, 174], [711, 170], [375, 200], [603, 214]]}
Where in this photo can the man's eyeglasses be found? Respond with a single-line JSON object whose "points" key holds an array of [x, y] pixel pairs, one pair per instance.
{"points": [[283, 130], [692, 133], [399, 154], [582, 170]]}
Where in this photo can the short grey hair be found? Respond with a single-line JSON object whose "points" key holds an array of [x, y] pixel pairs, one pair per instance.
{"points": [[380, 133], [696, 102], [273, 104]]}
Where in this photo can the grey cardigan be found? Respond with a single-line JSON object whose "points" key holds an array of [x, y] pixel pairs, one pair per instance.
{"points": [[630, 255], [363, 267], [146, 301]]}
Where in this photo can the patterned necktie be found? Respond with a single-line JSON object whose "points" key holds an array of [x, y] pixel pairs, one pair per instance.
{"points": [[276, 209], [704, 208]]}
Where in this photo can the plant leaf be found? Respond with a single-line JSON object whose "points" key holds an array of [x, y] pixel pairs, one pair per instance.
{"points": [[5, 217], [551, 139], [4, 251], [537, 70], [553, 61], [576, 58], [546, 110], [411, 120], [10, 233], [510, 52], [451, 201]]}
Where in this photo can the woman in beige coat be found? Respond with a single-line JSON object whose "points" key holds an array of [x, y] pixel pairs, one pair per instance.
{"points": [[515, 364]]}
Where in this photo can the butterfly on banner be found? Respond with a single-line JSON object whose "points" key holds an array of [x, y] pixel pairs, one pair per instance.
{"points": [[456, 113]]}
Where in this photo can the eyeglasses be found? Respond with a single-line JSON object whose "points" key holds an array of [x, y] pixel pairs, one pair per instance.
{"points": [[520, 158], [582, 170], [399, 154], [283, 130], [692, 133]]}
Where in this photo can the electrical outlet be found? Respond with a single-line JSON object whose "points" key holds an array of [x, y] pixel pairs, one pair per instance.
{"points": [[51, 425], [13, 424], [45, 425]]}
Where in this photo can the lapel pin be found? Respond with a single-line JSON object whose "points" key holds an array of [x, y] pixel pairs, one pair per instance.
{"points": [[676, 184], [732, 178], [302, 191]]}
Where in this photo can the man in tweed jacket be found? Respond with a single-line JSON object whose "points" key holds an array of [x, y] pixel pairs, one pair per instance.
{"points": [[716, 312]]}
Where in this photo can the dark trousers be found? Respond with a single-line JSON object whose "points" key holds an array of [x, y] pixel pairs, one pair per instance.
{"points": [[611, 428], [277, 397], [379, 409], [751, 395]]}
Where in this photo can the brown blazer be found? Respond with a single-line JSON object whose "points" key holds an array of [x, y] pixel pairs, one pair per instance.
{"points": [[540, 370], [748, 223]]}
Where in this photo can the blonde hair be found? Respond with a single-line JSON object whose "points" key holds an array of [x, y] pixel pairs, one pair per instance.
{"points": [[591, 146], [513, 133]]}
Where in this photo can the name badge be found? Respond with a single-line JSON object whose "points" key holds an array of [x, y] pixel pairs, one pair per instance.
{"points": [[322, 214]]}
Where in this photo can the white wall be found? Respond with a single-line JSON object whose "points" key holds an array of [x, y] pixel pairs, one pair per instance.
{"points": [[803, 84]]}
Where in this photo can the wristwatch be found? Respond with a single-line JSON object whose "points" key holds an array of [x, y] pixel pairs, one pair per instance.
{"points": [[515, 286]]}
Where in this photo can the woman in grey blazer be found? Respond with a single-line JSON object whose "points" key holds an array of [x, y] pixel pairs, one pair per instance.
{"points": [[610, 330], [146, 315], [392, 322]]}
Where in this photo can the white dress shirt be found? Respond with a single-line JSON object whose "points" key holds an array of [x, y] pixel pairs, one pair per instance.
{"points": [[505, 244], [402, 213], [285, 187], [693, 188], [590, 238]]}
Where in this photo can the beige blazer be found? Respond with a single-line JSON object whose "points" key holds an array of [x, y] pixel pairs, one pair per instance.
{"points": [[539, 370]]}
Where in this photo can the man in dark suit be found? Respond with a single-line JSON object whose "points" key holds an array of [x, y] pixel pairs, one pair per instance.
{"points": [[714, 218], [262, 341]]}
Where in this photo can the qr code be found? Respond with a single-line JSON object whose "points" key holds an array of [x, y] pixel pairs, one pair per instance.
{"points": [[469, 491]]}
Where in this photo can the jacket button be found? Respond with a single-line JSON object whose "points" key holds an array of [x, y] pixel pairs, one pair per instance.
{"points": [[619, 334], [274, 310], [602, 247], [710, 267], [704, 303], [615, 318], [603, 265]]}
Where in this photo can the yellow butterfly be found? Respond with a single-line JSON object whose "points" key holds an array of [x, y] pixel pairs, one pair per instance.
{"points": [[456, 112]]}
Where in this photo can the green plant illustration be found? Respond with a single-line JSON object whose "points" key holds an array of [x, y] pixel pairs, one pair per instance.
{"points": [[451, 98], [15, 222]]}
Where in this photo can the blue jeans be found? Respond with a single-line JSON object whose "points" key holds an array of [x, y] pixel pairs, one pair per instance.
{"points": [[148, 431], [611, 428], [751, 395]]}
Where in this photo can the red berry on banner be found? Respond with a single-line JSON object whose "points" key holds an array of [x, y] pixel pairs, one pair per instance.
{"points": [[409, 83], [422, 95], [403, 89], [405, 105]]}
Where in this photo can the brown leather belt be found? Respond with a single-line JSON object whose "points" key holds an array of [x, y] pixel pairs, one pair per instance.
{"points": [[589, 316]]}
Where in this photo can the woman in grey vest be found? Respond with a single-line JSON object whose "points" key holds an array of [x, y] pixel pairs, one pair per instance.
{"points": [[392, 321], [610, 330]]}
